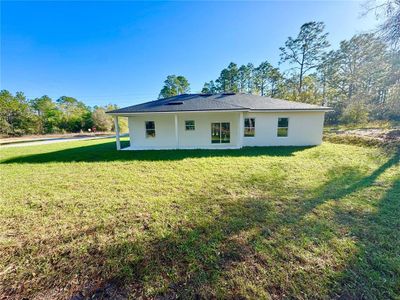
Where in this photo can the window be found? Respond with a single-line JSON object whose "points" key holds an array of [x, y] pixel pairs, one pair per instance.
{"points": [[220, 133], [150, 129], [283, 127], [249, 126], [189, 125]]}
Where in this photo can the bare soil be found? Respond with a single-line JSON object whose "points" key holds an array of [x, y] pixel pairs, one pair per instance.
{"points": [[384, 135]]}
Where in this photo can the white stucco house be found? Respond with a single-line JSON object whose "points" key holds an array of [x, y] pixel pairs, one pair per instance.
{"points": [[220, 121]]}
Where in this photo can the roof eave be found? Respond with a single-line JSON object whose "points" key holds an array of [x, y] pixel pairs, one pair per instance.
{"points": [[324, 109], [176, 111], [318, 109]]}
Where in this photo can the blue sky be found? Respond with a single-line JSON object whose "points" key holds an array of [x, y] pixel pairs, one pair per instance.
{"points": [[121, 52]]}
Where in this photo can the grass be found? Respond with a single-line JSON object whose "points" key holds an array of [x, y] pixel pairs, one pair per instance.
{"points": [[284, 222]]}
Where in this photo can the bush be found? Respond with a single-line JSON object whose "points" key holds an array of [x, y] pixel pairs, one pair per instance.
{"points": [[355, 113]]}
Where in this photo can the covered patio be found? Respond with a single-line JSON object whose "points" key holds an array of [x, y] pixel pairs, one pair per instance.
{"points": [[183, 130]]}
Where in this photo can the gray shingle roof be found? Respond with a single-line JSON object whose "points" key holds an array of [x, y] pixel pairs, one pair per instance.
{"points": [[205, 102]]}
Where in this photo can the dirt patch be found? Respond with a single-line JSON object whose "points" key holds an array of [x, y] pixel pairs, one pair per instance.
{"points": [[388, 139], [374, 133]]}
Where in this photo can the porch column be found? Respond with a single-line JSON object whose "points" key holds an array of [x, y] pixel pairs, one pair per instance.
{"points": [[241, 130], [176, 131], [117, 133]]}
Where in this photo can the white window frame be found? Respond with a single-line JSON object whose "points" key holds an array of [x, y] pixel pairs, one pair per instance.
{"points": [[287, 128], [148, 136], [250, 127], [194, 125], [220, 133]]}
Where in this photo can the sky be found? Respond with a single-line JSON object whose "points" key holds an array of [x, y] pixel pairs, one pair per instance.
{"points": [[121, 52]]}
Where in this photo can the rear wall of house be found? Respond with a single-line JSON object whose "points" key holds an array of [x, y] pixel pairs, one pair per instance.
{"points": [[305, 128], [165, 130]]}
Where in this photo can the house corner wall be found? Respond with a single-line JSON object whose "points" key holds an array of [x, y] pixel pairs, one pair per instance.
{"points": [[305, 128]]}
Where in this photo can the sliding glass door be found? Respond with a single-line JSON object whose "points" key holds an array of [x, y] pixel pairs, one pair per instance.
{"points": [[220, 133]]}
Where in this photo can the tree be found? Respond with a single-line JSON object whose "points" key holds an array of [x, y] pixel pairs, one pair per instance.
{"points": [[48, 114], [261, 76], [76, 115], [311, 91], [390, 96], [244, 75], [101, 121], [306, 49], [275, 79], [209, 88], [233, 73], [349, 84], [290, 84], [174, 85], [227, 81], [267, 80], [389, 29], [16, 117], [327, 76], [356, 58], [223, 81], [105, 122], [360, 80], [250, 85]]}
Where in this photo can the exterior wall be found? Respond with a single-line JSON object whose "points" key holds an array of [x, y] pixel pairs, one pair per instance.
{"points": [[305, 128], [165, 131]]}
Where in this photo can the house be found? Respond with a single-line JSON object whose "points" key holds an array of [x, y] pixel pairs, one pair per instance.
{"points": [[221, 121]]}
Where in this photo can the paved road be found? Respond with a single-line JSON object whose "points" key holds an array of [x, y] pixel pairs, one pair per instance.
{"points": [[56, 140]]}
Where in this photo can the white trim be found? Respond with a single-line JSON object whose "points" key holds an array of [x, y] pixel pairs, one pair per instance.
{"points": [[292, 110], [241, 130], [211, 146], [176, 131], [117, 140], [175, 112], [220, 111]]}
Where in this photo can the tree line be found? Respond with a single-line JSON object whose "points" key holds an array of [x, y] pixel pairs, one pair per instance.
{"points": [[19, 116], [360, 80]]}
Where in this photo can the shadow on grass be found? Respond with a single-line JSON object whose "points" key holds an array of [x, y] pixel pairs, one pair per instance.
{"points": [[104, 152], [347, 180], [202, 259], [374, 272], [188, 263]]}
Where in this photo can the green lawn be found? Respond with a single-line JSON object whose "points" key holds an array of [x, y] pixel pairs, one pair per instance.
{"points": [[283, 222]]}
